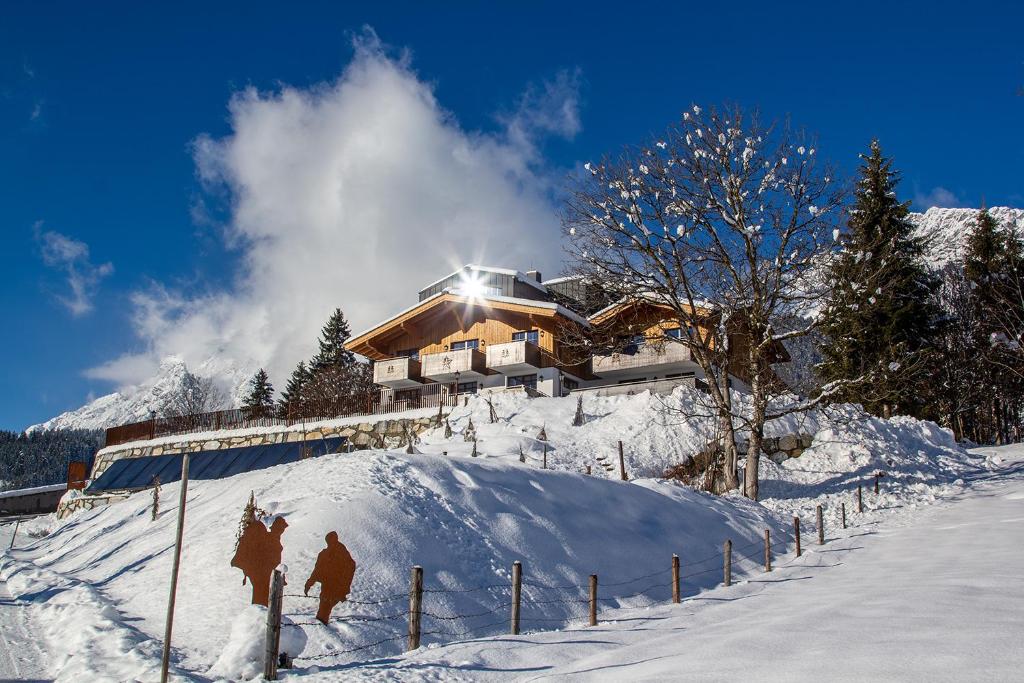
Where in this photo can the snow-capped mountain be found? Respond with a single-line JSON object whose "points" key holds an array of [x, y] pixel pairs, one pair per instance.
{"points": [[133, 404], [947, 229]]}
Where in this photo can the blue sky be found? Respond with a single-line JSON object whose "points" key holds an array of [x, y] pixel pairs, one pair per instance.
{"points": [[101, 106]]}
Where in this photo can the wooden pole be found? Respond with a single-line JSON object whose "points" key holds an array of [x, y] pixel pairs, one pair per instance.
{"points": [[273, 634], [843, 508], [169, 624], [545, 455], [593, 599], [415, 606], [517, 587], [727, 568], [767, 550], [588, 469], [622, 465], [820, 520], [877, 476], [675, 579], [17, 523], [796, 533], [860, 497]]}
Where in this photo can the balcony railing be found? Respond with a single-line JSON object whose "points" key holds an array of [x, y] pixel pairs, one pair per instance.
{"points": [[397, 373], [650, 356], [515, 357], [441, 367]]}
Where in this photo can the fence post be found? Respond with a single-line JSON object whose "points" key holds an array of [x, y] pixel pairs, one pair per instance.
{"points": [[415, 606], [622, 465], [796, 533], [860, 497], [877, 477], [165, 659], [727, 568], [767, 550], [593, 599], [588, 469], [545, 455], [17, 523], [821, 525], [843, 508], [273, 635], [517, 586], [675, 579]]}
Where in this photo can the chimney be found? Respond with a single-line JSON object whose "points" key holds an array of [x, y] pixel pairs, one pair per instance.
{"points": [[535, 274]]}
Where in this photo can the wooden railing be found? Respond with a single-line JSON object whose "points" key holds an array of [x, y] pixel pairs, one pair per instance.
{"points": [[431, 396]]}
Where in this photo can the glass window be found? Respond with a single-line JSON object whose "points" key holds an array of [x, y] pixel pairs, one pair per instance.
{"points": [[570, 384], [410, 353], [631, 345], [674, 333], [467, 344], [531, 336], [466, 388], [523, 381]]}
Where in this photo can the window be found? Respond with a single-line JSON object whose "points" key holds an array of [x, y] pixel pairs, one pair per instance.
{"points": [[570, 384], [676, 375], [410, 353], [467, 344], [529, 381], [466, 388], [531, 336], [631, 345], [677, 333], [410, 395]]}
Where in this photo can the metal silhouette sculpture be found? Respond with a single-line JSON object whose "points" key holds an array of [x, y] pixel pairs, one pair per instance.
{"points": [[258, 554], [334, 570]]}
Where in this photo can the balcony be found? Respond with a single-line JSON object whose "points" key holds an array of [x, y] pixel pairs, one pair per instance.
{"points": [[442, 367], [514, 358], [653, 357], [397, 373]]}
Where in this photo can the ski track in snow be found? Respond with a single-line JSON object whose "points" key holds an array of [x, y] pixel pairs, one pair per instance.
{"points": [[21, 658]]}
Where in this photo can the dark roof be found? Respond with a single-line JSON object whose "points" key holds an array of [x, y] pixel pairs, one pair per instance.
{"points": [[138, 473]]}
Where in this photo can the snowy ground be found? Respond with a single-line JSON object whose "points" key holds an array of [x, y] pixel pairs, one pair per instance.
{"points": [[93, 588], [936, 597]]}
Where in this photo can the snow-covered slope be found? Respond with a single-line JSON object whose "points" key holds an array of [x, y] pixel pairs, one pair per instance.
{"points": [[947, 229], [465, 520], [132, 404]]}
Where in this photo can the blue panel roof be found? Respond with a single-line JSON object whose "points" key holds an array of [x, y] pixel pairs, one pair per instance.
{"points": [[138, 473]]}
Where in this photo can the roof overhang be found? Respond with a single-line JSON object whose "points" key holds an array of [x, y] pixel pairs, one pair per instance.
{"points": [[372, 342]]}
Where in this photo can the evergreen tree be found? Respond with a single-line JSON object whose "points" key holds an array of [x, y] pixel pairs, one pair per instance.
{"points": [[880, 317], [332, 353], [292, 396], [259, 402]]}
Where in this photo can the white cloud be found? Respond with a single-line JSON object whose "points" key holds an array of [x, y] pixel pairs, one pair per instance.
{"points": [[938, 196], [353, 194], [71, 257]]}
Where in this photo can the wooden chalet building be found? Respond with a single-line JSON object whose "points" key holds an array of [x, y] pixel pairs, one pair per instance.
{"points": [[484, 329]]}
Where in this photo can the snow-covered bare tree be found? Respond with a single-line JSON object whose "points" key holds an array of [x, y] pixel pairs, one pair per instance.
{"points": [[723, 221], [193, 396]]}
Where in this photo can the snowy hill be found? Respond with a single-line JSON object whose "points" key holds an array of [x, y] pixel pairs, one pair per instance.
{"points": [[465, 520], [133, 404], [947, 229]]}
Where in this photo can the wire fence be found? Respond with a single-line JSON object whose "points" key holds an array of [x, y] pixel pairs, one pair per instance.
{"points": [[541, 605]]}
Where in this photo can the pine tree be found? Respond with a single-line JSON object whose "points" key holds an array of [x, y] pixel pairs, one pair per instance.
{"points": [[259, 402], [292, 396], [880, 316], [332, 353]]}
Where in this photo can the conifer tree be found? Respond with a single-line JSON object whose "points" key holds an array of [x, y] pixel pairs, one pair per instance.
{"points": [[291, 397], [332, 353], [259, 402], [880, 316]]}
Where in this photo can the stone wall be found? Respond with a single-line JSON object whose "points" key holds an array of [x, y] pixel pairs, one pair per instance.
{"points": [[781, 448], [69, 505], [392, 433]]}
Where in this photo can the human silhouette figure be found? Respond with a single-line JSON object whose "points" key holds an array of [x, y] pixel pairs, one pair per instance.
{"points": [[334, 570], [259, 552]]}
